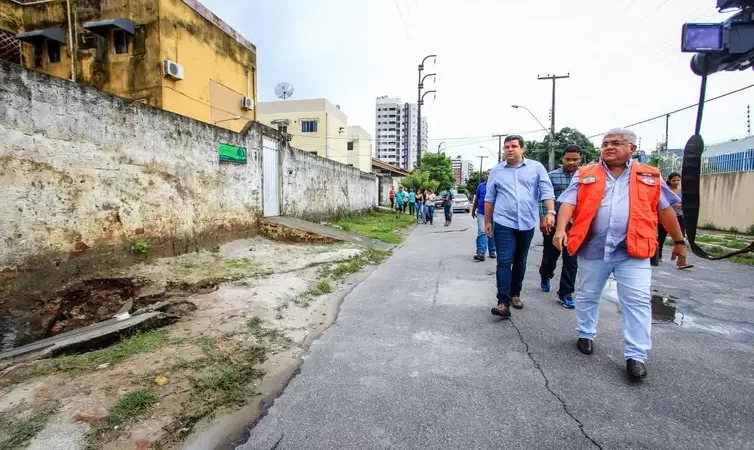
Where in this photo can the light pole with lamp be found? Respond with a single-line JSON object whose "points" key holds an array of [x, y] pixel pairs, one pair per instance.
{"points": [[419, 102], [551, 155], [440, 146]]}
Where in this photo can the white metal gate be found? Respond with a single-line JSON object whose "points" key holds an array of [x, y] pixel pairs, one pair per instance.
{"points": [[270, 177]]}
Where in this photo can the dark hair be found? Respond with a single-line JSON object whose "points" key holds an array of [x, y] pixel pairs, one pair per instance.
{"points": [[514, 137], [673, 175], [572, 148]]}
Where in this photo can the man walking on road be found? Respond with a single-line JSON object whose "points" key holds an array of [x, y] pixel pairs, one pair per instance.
{"points": [[560, 178], [400, 197], [411, 202], [514, 189], [483, 242], [615, 206]]}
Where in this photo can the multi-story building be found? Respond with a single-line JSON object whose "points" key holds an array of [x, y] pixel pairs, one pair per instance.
{"points": [[172, 54], [315, 125], [462, 168], [359, 148], [395, 126]]}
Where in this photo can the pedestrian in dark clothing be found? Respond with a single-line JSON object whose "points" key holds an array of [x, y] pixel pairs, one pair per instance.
{"points": [[561, 179]]}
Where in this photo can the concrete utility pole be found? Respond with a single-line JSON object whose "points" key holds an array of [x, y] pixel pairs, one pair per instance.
{"points": [[419, 103], [481, 158], [499, 146], [552, 118], [667, 128]]}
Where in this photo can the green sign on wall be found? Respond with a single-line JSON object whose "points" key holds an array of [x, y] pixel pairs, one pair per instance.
{"points": [[231, 153]]}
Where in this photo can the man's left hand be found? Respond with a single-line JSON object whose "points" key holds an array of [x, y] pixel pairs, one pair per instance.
{"points": [[549, 222], [679, 251]]}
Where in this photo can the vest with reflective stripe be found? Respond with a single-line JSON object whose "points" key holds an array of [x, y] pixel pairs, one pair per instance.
{"points": [[644, 195]]}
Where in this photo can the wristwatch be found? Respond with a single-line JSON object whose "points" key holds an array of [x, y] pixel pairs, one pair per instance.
{"points": [[551, 212], [681, 242]]}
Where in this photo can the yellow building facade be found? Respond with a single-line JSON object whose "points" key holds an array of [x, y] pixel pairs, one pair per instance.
{"points": [[172, 54], [315, 125]]}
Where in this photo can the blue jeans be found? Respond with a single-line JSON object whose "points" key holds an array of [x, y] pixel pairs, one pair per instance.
{"points": [[483, 242], [419, 211], [430, 211], [448, 211], [633, 277], [512, 249]]}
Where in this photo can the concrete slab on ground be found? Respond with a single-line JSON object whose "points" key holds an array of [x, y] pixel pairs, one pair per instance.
{"points": [[317, 229], [80, 338]]}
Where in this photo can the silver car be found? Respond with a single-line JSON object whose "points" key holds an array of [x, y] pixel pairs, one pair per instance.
{"points": [[461, 203]]}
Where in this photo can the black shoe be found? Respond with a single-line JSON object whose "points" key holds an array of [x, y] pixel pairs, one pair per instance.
{"points": [[636, 369], [493, 256], [585, 346], [478, 257], [502, 311]]}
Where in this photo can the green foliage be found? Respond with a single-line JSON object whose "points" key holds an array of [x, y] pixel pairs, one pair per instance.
{"points": [[540, 150], [419, 180], [475, 179], [130, 406], [16, 432], [139, 245], [377, 225], [321, 288], [439, 169], [139, 343]]}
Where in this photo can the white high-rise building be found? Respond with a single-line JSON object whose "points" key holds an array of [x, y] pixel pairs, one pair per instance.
{"points": [[462, 168], [395, 129]]}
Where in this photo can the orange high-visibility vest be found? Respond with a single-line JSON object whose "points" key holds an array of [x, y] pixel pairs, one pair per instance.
{"points": [[644, 195]]}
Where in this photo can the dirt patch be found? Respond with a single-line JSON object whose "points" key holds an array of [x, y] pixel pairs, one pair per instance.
{"points": [[247, 312]]}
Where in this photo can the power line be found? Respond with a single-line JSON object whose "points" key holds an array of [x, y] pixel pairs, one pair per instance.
{"points": [[405, 28], [679, 109]]}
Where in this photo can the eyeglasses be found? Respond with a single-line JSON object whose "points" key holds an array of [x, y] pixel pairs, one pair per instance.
{"points": [[614, 144]]}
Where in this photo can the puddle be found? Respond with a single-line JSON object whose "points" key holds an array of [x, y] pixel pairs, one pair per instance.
{"points": [[668, 309]]}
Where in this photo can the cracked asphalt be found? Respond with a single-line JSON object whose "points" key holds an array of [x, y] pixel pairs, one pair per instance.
{"points": [[416, 361]]}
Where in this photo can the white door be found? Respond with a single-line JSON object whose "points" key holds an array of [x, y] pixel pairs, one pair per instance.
{"points": [[270, 177]]}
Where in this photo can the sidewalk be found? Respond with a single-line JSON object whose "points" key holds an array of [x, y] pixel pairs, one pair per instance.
{"points": [[415, 361]]}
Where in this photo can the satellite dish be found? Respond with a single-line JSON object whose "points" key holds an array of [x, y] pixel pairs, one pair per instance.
{"points": [[284, 90]]}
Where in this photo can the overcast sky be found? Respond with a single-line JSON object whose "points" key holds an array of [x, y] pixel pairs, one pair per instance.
{"points": [[623, 56]]}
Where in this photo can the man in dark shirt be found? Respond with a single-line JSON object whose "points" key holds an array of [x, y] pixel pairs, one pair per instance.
{"points": [[561, 179], [483, 242]]}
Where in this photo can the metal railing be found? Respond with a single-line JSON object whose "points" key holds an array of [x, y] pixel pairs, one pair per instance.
{"points": [[727, 163]]}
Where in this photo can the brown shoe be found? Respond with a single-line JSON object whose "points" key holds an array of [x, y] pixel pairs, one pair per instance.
{"points": [[502, 310], [516, 303]]}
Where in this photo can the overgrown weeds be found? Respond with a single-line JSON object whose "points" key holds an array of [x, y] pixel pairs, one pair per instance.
{"points": [[138, 343], [377, 225], [16, 432]]}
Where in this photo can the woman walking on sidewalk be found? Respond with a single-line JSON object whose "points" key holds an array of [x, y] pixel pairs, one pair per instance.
{"points": [[429, 206], [420, 207], [674, 183], [447, 204]]}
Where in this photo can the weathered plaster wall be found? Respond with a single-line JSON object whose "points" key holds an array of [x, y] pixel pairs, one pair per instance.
{"points": [[315, 188], [84, 172], [726, 200], [385, 184]]}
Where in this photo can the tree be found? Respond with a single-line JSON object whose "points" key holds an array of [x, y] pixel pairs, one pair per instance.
{"points": [[540, 150], [439, 169], [418, 181], [475, 179]]}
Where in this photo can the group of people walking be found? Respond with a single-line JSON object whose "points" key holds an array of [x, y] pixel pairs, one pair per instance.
{"points": [[422, 204], [600, 219]]}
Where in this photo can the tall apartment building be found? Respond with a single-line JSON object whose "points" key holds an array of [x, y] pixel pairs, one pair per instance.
{"points": [[462, 168], [395, 128]]}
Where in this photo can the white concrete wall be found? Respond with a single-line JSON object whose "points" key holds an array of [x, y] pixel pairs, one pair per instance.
{"points": [[727, 200], [316, 188], [81, 168]]}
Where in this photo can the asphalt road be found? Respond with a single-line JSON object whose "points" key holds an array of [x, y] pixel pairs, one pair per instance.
{"points": [[416, 361]]}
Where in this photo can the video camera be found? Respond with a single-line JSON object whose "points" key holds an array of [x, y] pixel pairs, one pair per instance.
{"points": [[722, 46]]}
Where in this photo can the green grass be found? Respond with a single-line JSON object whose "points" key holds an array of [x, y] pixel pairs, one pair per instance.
{"points": [[139, 343], [321, 288], [377, 225], [129, 407], [710, 244], [354, 265], [16, 433]]}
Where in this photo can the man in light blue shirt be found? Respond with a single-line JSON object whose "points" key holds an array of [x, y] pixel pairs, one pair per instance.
{"points": [[605, 249], [511, 212]]}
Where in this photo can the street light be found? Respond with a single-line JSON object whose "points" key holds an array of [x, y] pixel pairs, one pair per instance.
{"points": [[419, 102], [551, 156], [439, 146]]}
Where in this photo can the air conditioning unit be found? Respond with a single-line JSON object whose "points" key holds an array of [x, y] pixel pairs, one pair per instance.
{"points": [[247, 103], [171, 69]]}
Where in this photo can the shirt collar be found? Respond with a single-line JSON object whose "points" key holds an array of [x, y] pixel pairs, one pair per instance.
{"points": [[523, 163]]}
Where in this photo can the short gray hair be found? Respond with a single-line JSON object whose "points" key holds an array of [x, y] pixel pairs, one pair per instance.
{"points": [[625, 132]]}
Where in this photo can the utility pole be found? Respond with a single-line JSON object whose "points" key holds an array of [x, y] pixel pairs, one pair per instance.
{"points": [[499, 146], [481, 158], [419, 103], [552, 118], [748, 120], [667, 127]]}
